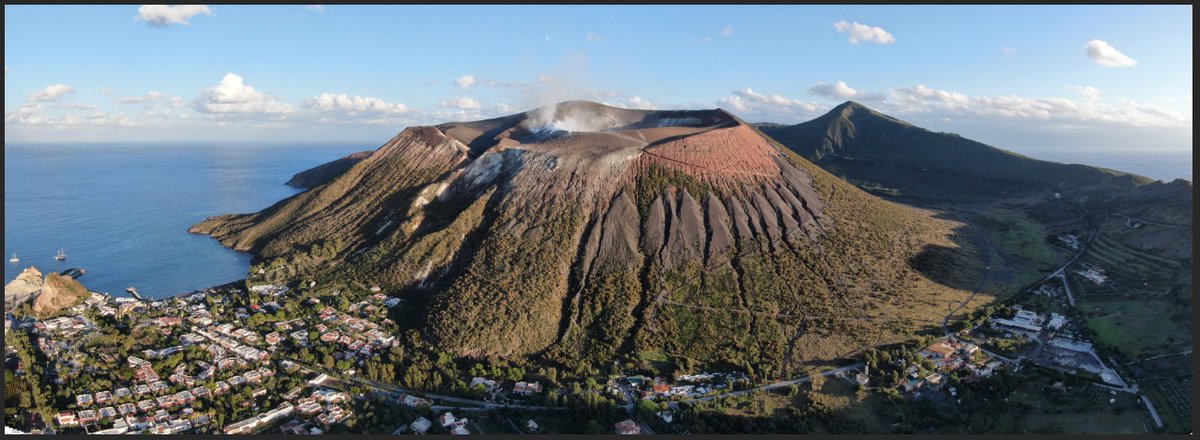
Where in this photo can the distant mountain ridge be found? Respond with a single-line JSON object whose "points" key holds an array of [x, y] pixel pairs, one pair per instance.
{"points": [[863, 144]]}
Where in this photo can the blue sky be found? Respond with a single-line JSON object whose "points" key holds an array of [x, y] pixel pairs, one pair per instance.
{"points": [[1096, 78]]}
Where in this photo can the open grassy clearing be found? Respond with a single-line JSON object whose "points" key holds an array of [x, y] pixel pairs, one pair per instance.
{"points": [[1137, 328]]}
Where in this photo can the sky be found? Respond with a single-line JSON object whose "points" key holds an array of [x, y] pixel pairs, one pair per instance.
{"points": [[1027, 78]]}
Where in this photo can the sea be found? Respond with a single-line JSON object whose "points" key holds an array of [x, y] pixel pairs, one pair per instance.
{"points": [[121, 211]]}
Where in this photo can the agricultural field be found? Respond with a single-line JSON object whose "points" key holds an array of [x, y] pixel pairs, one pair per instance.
{"points": [[1078, 407], [1137, 329], [1172, 399], [1167, 382], [1020, 237], [1141, 309], [1131, 273]]}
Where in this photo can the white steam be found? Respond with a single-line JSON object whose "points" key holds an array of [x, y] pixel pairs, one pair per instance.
{"points": [[570, 117]]}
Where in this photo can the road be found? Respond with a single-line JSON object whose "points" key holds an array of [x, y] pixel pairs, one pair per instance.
{"points": [[1062, 271], [1150, 222], [1185, 352], [771, 386], [1153, 413], [396, 391]]}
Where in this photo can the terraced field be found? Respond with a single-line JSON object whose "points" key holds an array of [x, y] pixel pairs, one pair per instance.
{"points": [[1131, 273], [1172, 398], [1136, 312]]}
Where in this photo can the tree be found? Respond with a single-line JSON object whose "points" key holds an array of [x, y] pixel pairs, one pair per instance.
{"points": [[646, 408], [593, 427]]}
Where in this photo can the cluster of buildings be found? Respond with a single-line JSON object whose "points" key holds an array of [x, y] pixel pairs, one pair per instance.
{"points": [[1094, 274], [688, 385], [269, 289], [1069, 240], [151, 414], [1029, 321], [237, 356], [447, 420], [949, 356], [355, 337], [266, 418]]}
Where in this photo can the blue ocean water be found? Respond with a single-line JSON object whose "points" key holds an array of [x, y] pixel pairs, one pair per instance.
{"points": [[1166, 166], [122, 211]]}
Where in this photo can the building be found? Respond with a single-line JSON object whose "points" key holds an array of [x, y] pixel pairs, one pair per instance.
{"points": [[666, 416], [1056, 321], [487, 384], [421, 425], [1096, 275], [527, 388], [1070, 345], [864, 378], [67, 418], [1016, 325], [628, 427]]}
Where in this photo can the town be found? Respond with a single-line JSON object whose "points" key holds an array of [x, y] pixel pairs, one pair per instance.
{"points": [[250, 357]]}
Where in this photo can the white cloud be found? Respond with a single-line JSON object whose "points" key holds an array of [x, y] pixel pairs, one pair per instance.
{"points": [[77, 106], [728, 31], [1105, 55], [1008, 51], [461, 103], [1088, 92], [166, 15], [233, 96], [706, 39], [915, 96], [948, 105], [51, 92], [592, 36], [543, 79], [861, 32], [838, 90], [35, 116], [749, 103], [465, 81], [633, 102], [148, 98], [315, 8], [924, 104], [496, 83], [352, 105]]}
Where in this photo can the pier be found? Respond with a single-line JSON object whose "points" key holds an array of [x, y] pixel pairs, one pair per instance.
{"points": [[133, 292]]}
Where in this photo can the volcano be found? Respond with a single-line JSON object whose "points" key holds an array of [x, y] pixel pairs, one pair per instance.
{"points": [[580, 233]]}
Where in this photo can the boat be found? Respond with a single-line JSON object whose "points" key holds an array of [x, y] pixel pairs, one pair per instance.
{"points": [[14, 258], [60, 256]]}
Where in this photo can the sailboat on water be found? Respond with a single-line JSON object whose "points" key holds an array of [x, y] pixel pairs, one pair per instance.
{"points": [[60, 256], [14, 258]]}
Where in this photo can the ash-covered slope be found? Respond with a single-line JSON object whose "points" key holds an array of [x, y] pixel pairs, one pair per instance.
{"points": [[578, 232]]}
